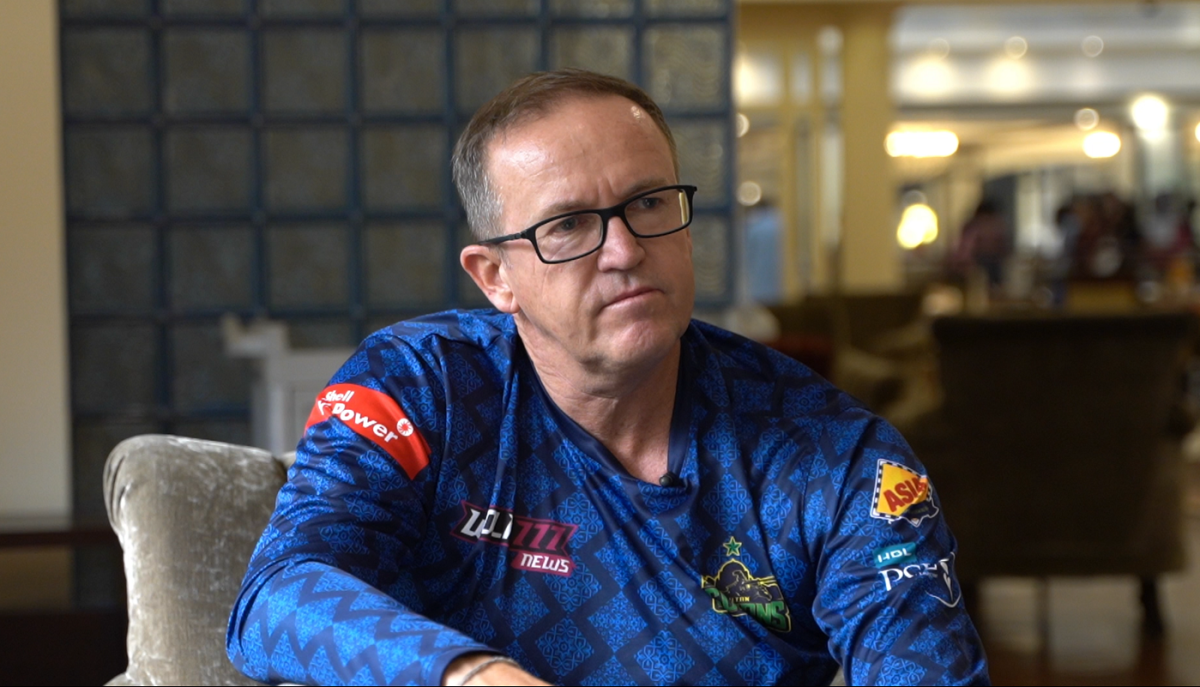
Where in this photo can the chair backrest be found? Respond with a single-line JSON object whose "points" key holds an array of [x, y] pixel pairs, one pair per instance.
{"points": [[1060, 439], [866, 316], [188, 514]]}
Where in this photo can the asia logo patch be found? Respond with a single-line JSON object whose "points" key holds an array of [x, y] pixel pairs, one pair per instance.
{"points": [[736, 591], [901, 494]]}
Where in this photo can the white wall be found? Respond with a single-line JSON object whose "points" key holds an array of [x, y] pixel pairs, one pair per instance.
{"points": [[34, 423]]}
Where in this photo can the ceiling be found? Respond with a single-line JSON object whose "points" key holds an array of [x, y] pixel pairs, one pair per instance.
{"points": [[1031, 54]]}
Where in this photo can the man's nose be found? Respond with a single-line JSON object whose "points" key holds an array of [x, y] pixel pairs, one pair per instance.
{"points": [[622, 250]]}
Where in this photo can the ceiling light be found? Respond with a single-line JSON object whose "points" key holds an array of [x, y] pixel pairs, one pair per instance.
{"points": [[829, 40], [742, 125], [1101, 144], [939, 48], [749, 193], [918, 226], [1016, 47], [1092, 46], [1150, 113], [1087, 119], [1198, 132], [1009, 78], [922, 143]]}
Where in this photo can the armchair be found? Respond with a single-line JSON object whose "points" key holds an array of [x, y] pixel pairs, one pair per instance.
{"points": [[188, 514]]}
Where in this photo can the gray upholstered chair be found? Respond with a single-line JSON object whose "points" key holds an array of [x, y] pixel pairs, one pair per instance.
{"points": [[188, 514]]}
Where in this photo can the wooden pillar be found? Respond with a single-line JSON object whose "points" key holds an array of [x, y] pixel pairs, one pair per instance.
{"points": [[34, 456]]}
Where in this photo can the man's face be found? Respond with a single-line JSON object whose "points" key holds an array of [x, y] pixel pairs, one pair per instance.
{"points": [[628, 303]]}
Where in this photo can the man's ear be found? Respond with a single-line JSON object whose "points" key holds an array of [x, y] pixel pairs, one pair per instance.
{"points": [[486, 268]]}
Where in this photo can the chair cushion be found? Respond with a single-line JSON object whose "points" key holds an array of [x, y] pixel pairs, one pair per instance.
{"points": [[188, 514]]}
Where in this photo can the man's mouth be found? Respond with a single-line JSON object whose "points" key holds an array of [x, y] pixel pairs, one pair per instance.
{"points": [[631, 294]]}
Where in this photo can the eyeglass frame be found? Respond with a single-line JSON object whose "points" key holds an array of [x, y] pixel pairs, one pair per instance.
{"points": [[606, 215]]}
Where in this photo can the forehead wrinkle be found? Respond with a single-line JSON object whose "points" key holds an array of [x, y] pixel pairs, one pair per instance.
{"points": [[528, 156]]}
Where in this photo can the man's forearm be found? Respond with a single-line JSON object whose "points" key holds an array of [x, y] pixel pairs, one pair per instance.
{"points": [[479, 669], [314, 624]]}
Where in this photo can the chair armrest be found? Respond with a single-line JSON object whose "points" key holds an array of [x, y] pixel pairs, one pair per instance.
{"points": [[188, 514]]}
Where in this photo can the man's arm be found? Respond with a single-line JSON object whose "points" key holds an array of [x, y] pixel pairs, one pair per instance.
{"points": [[887, 593], [482, 670], [312, 608]]}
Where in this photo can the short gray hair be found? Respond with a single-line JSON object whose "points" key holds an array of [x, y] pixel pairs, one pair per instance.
{"points": [[528, 97]]}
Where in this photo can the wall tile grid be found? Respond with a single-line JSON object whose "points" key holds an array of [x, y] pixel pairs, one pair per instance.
{"points": [[289, 159]]}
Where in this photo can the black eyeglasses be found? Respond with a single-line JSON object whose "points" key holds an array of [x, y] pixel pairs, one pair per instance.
{"points": [[573, 235]]}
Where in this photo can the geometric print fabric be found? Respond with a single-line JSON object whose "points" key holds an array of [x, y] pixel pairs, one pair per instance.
{"points": [[524, 536]]}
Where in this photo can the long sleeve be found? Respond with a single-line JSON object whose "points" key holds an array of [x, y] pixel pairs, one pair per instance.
{"points": [[887, 593], [327, 598]]}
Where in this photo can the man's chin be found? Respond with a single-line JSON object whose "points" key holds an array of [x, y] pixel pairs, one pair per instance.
{"points": [[643, 342]]}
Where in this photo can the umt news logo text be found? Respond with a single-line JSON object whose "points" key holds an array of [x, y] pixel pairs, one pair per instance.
{"points": [[538, 545]]}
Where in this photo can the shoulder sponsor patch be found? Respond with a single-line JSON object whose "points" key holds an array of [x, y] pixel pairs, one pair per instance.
{"points": [[376, 417], [945, 589], [901, 494], [900, 554]]}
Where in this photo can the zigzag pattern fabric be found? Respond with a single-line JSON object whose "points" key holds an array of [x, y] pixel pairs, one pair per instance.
{"points": [[474, 516]]}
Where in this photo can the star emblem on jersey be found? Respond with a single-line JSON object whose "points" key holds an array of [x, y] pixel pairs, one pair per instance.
{"points": [[901, 494], [736, 591], [733, 547]]}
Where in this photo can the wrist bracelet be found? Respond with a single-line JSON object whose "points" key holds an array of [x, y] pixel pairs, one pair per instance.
{"points": [[480, 667]]}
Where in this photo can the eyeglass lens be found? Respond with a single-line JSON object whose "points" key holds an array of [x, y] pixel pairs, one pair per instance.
{"points": [[650, 215]]}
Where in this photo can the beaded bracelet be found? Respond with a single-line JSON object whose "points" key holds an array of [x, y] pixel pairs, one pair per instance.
{"points": [[480, 667]]}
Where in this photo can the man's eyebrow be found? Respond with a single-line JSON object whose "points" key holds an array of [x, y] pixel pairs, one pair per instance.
{"points": [[573, 205]]}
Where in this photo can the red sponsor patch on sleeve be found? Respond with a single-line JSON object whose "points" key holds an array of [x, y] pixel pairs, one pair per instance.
{"points": [[377, 418]]}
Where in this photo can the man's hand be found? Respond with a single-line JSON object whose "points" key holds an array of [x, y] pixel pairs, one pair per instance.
{"points": [[499, 673]]}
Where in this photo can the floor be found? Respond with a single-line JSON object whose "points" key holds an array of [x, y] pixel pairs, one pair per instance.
{"points": [[1095, 626]]}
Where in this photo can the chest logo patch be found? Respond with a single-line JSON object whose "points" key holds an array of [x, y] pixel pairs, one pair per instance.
{"points": [[538, 545], [736, 591], [901, 494]]}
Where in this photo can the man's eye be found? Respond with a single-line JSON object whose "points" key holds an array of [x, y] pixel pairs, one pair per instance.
{"points": [[648, 203], [566, 224]]}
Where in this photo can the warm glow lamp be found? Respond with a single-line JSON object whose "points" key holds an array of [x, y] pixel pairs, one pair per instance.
{"points": [[1101, 144], [1150, 113], [918, 226], [922, 143]]}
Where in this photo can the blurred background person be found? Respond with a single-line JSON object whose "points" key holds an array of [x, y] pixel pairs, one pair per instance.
{"points": [[984, 243]]}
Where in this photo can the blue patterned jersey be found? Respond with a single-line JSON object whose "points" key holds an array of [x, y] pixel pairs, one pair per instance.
{"points": [[441, 504]]}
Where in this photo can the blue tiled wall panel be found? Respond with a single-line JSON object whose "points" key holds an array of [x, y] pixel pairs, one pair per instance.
{"points": [[288, 159]]}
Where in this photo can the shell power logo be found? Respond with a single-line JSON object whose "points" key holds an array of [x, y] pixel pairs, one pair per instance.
{"points": [[901, 494], [376, 417]]}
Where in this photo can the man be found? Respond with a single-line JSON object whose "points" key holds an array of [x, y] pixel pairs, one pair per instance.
{"points": [[587, 487]]}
